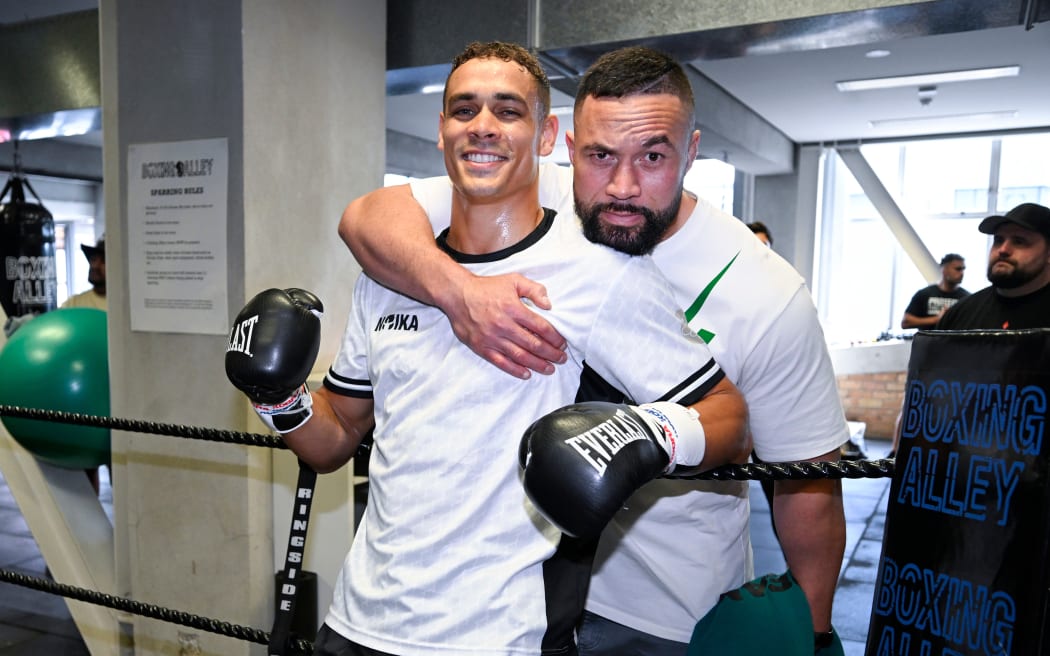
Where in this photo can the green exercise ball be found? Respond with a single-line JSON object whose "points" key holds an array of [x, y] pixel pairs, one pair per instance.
{"points": [[59, 361]]}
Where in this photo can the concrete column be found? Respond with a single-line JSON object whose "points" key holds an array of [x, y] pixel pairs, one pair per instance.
{"points": [[297, 90]]}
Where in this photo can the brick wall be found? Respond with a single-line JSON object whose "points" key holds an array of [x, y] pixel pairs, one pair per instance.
{"points": [[873, 398]]}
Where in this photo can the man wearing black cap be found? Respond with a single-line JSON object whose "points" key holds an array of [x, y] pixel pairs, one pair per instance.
{"points": [[96, 296], [1019, 270]]}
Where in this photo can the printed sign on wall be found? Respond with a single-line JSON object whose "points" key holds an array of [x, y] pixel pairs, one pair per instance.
{"points": [[177, 236]]}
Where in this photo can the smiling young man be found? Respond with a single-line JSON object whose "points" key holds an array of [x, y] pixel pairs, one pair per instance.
{"points": [[634, 140], [451, 556]]}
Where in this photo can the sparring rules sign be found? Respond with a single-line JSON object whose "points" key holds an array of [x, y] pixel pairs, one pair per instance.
{"points": [[177, 212]]}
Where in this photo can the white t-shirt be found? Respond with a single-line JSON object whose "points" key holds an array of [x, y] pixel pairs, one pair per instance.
{"points": [[88, 299], [664, 560], [451, 557]]}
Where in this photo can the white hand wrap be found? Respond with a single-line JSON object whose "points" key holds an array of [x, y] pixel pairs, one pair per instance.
{"points": [[289, 414], [682, 433]]}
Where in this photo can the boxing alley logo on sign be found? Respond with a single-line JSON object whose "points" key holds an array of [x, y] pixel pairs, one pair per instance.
{"points": [[600, 444], [241, 336], [187, 168]]}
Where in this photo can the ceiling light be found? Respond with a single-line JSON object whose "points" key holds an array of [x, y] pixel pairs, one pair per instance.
{"points": [[928, 78], [926, 94], [981, 116], [433, 88], [877, 54]]}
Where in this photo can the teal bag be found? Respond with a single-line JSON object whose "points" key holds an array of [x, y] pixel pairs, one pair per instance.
{"points": [[769, 615]]}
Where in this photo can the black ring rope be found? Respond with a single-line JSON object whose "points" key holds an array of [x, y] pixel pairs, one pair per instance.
{"points": [[796, 471], [765, 471], [298, 645], [751, 471], [137, 426]]}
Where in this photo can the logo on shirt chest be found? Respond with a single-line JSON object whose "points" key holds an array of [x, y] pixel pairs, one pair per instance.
{"points": [[694, 309], [397, 321]]}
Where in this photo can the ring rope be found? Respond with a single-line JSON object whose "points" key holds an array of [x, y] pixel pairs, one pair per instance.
{"points": [[796, 471], [298, 645], [137, 426], [281, 641], [766, 471]]}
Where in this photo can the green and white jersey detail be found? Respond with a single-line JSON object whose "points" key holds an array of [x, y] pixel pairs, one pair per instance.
{"points": [[451, 557], [664, 561]]}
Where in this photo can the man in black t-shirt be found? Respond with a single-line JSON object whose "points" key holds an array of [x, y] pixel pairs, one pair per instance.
{"points": [[929, 303], [1019, 270]]}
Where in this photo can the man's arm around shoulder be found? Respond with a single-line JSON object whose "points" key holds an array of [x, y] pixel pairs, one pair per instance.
{"points": [[392, 238]]}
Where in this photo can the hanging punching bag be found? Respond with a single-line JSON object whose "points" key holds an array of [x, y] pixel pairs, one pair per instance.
{"points": [[27, 248]]}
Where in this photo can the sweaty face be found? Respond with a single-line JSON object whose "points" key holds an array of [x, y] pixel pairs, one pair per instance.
{"points": [[629, 158], [1018, 256], [491, 131]]}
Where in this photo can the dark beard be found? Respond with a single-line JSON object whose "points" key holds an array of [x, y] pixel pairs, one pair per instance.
{"points": [[1012, 280], [639, 240]]}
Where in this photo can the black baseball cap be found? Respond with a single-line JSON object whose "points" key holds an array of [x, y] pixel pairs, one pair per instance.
{"points": [[98, 249], [1027, 215]]}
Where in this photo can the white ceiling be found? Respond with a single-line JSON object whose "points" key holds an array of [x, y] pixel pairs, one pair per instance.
{"points": [[794, 88], [796, 93]]}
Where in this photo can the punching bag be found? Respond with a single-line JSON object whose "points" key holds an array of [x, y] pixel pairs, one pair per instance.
{"points": [[27, 250]]}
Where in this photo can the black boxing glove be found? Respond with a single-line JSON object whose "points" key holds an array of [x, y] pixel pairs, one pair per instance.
{"points": [[582, 462], [273, 346]]}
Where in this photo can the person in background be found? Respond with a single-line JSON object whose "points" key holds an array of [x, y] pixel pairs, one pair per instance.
{"points": [[96, 296], [1019, 270], [762, 232], [929, 303], [93, 298]]}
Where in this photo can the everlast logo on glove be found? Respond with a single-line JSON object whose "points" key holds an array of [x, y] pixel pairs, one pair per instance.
{"points": [[241, 336], [581, 463], [599, 444]]}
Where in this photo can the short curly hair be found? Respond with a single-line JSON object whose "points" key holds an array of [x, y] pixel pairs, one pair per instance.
{"points": [[635, 70], [508, 52]]}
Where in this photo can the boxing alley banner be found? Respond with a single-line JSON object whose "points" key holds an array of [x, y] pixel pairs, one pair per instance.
{"points": [[965, 566], [27, 252]]}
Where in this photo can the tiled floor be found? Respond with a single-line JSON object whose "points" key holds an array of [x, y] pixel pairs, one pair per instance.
{"points": [[38, 624], [34, 623]]}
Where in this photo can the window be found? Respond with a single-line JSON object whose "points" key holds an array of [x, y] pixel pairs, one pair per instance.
{"points": [[945, 188], [712, 180], [1024, 174]]}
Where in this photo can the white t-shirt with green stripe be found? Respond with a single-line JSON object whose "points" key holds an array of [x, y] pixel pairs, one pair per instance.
{"points": [[679, 544]]}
